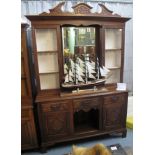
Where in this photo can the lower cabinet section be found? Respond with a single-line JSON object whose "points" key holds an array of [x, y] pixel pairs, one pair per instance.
{"points": [[81, 117], [28, 132]]}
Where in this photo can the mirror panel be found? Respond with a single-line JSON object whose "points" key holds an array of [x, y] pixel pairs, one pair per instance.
{"points": [[78, 51], [77, 41]]}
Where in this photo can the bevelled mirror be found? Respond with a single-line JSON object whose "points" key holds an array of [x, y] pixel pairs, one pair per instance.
{"points": [[78, 41], [81, 64]]}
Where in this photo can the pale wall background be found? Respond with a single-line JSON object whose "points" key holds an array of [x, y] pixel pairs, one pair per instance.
{"points": [[122, 7]]}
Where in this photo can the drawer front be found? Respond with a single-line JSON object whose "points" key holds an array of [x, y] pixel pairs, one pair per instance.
{"points": [[56, 106], [119, 98], [85, 104]]}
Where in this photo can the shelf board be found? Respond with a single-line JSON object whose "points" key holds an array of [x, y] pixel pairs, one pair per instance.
{"points": [[46, 52], [108, 50], [114, 67], [85, 129], [49, 72]]}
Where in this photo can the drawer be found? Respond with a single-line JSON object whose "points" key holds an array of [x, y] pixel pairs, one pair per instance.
{"points": [[85, 104], [120, 98], [56, 106]]}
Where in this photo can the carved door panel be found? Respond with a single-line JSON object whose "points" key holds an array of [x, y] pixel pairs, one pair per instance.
{"points": [[56, 124], [113, 116]]}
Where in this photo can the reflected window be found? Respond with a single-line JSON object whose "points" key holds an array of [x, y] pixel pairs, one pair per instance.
{"points": [[77, 41], [81, 62]]}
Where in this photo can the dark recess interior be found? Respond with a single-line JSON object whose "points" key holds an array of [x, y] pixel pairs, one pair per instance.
{"points": [[86, 121]]}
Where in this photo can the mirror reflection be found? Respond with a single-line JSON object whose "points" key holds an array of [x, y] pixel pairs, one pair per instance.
{"points": [[78, 52], [78, 40], [81, 64]]}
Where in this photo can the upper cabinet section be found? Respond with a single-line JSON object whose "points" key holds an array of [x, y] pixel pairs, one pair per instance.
{"points": [[78, 49], [81, 11]]}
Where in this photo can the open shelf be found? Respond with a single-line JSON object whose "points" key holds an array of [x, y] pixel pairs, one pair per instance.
{"points": [[46, 39], [113, 59], [48, 62], [108, 50], [113, 38], [84, 128], [115, 76], [49, 72], [86, 121], [114, 67], [49, 81], [46, 52]]}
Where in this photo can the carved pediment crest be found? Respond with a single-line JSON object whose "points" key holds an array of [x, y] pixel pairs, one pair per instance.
{"points": [[79, 9], [82, 8]]}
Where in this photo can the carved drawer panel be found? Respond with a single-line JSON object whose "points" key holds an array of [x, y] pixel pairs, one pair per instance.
{"points": [[113, 116], [120, 98], [56, 106], [86, 104]]}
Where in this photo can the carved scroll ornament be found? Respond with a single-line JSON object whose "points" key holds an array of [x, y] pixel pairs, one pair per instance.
{"points": [[80, 9]]}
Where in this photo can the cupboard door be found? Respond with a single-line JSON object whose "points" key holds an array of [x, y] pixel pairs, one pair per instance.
{"points": [[56, 125], [55, 118], [28, 134], [114, 112], [113, 116], [47, 56]]}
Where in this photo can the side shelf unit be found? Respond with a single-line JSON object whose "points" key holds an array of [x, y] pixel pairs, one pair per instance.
{"points": [[28, 129]]}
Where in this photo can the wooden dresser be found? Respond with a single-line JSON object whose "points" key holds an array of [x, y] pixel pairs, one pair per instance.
{"points": [[60, 39]]}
